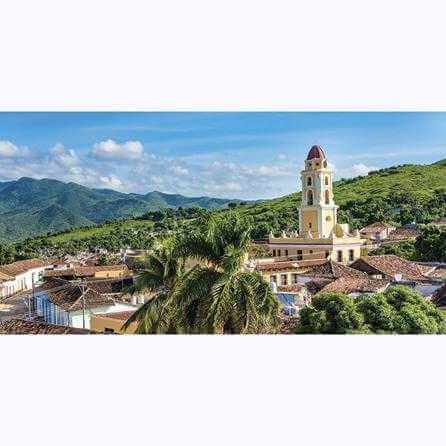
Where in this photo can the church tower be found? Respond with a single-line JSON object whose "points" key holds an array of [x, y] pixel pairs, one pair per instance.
{"points": [[318, 212]]}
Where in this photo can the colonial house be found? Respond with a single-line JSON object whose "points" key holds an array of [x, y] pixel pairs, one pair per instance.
{"points": [[111, 323], [63, 303], [21, 326], [20, 276], [97, 272], [320, 235], [393, 268], [377, 231]]}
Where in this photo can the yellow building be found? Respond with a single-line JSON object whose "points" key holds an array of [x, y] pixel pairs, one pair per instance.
{"points": [[111, 323], [320, 235]]}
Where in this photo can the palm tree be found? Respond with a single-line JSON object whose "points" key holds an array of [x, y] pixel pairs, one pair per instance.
{"points": [[217, 295], [160, 276]]}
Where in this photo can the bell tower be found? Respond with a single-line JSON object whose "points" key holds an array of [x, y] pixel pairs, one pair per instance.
{"points": [[318, 212]]}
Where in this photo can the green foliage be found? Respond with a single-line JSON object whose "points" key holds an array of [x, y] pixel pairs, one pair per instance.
{"points": [[31, 207], [331, 313], [405, 249], [214, 295], [431, 244], [7, 254], [400, 310]]}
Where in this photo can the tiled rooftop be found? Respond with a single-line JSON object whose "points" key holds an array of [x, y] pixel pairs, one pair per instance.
{"points": [[21, 266], [20, 326], [349, 285]]}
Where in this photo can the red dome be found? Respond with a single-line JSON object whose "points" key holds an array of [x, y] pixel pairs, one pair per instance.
{"points": [[316, 152]]}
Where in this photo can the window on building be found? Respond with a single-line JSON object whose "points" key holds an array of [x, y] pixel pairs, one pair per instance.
{"points": [[326, 181], [273, 278], [311, 251], [279, 252], [327, 197], [310, 198], [309, 225], [274, 253], [325, 164], [284, 279], [351, 255], [327, 254], [309, 181], [286, 252], [299, 254], [340, 256], [295, 277]]}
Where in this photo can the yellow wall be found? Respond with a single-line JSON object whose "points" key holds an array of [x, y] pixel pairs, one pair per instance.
{"points": [[310, 216], [99, 323]]}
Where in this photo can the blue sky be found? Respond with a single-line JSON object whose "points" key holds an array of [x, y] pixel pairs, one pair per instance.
{"points": [[245, 155]]}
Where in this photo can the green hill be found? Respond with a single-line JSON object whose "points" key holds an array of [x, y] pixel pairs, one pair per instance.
{"points": [[31, 207], [401, 194]]}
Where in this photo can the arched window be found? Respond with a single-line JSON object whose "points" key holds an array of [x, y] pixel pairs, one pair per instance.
{"points": [[326, 181], [327, 197], [325, 164], [309, 182], [310, 198]]}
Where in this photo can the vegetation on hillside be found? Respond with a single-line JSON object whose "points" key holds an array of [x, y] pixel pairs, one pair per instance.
{"points": [[400, 194], [30, 207]]}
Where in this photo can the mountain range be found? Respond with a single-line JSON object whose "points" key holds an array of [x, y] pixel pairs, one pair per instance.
{"points": [[30, 207]]}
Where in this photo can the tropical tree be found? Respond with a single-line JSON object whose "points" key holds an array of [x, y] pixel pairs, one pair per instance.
{"points": [[331, 313], [160, 276], [217, 295]]}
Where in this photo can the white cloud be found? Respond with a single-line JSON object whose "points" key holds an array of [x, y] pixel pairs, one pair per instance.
{"points": [[179, 170], [281, 157], [109, 149], [112, 182], [10, 150], [361, 169], [64, 157]]}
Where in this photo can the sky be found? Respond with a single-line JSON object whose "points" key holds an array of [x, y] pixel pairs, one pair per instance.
{"points": [[247, 155]]}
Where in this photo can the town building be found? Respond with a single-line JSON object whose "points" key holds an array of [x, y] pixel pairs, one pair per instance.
{"points": [[20, 276], [63, 303], [320, 235], [393, 268], [111, 323], [377, 231], [97, 272]]}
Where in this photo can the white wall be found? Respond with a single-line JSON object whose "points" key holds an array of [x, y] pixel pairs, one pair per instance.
{"points": [[22, 282], [76, 317]]}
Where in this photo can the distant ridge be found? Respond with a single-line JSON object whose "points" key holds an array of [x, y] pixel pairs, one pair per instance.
{"points": [[30, 207]]}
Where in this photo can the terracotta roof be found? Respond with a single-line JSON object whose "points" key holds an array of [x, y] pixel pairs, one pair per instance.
{"points": [[332, 270], [440, 221], [5, 277], [389, 265], [293, 288], [111, 286], [316, 152], [277, 266], [16, 268], [349, 285], [287, 265], [314, 286], [404, 234], [377, 226], [20, 326], [121, 316], [69, 298]]}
